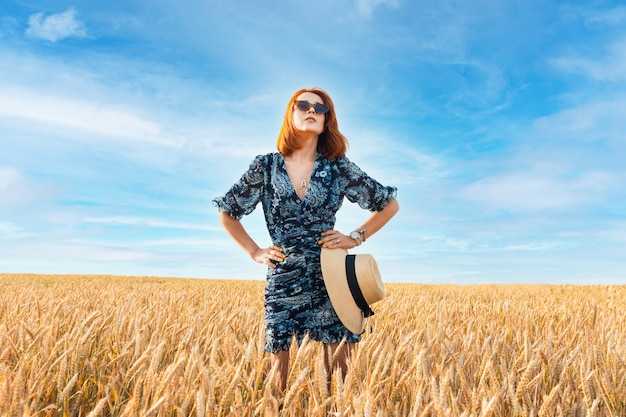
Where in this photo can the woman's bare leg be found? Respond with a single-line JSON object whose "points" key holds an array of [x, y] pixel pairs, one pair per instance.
{"points": [[341, 357], [282, 356]]}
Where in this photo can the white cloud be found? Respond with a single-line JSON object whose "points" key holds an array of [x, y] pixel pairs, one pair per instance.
{"points": [[149, 222], [56, 26], [8, 26], [19, 191], [600, 121], [535, 190], [56, 251], [106, 120], [8, 177], [614, 16], [9, 229], [610, 67]]}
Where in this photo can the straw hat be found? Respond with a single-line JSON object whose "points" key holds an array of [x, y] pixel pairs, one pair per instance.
{"points": [[353, 283]]}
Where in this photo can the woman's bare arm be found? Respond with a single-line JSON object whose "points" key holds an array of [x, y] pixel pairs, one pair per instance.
{"points": [[334, 239], [239, 234]]}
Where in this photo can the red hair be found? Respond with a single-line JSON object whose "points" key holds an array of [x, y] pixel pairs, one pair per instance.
{"points": [[331, 142]]}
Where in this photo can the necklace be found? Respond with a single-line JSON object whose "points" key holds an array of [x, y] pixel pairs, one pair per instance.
{"points": [[299, 173]]}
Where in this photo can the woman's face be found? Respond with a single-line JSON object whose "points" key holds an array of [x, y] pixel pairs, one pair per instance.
{"points": [[308, 120]]}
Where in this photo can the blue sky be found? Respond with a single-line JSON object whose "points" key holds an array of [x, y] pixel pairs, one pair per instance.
{"points": [[502, 123]]}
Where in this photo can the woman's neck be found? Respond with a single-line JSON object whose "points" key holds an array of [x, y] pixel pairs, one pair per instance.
{"points": [[307, 153]]}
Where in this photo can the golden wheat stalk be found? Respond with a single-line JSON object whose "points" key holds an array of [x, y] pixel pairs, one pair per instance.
{"points": [[130, 346]]}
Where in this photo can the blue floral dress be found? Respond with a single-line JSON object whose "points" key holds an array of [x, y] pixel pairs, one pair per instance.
{"points": [[296, 301]]}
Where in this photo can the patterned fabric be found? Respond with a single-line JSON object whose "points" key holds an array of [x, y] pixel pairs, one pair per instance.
{"points": [[296, 301]]}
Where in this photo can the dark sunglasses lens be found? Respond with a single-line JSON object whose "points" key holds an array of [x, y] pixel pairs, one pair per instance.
{"points": [[302, 105], [320, 108], [305, 106]]}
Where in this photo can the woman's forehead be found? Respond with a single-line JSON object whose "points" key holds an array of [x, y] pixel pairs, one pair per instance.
{"points": [[310, 97]]}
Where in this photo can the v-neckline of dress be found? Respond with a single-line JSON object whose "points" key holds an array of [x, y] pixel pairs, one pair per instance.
{"points": [[293, 186]]}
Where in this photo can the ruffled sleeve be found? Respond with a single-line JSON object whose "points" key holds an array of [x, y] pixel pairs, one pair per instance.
{"points": [[362, 189], [245, 194]]}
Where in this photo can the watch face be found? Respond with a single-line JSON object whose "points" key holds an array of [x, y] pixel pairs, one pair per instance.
{"points": [[355, 235]]}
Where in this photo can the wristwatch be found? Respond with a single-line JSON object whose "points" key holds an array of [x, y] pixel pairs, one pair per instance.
{"points": [[358, 235]]}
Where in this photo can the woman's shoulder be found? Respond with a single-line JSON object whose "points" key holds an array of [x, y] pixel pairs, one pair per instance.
{"points": [[340, 161], [264, 159], [343, 163], [266, 155]]}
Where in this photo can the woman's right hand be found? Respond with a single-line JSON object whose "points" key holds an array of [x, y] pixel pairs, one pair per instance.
{"points": [[269, 256]]}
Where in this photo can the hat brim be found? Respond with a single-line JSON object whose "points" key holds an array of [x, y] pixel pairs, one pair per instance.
{"points": [[334, 273]]}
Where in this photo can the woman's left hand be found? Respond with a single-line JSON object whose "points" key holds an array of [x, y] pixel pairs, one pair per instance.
{"points": [[334, 239]]}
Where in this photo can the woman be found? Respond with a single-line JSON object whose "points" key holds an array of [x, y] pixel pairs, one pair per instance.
{"points": [[301, 188]]}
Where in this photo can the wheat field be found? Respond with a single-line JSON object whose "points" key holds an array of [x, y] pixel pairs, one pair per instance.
{"points": [[141, 346]]}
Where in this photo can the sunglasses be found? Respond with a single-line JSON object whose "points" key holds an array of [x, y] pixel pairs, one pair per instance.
{"points": [[305, 106]]}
